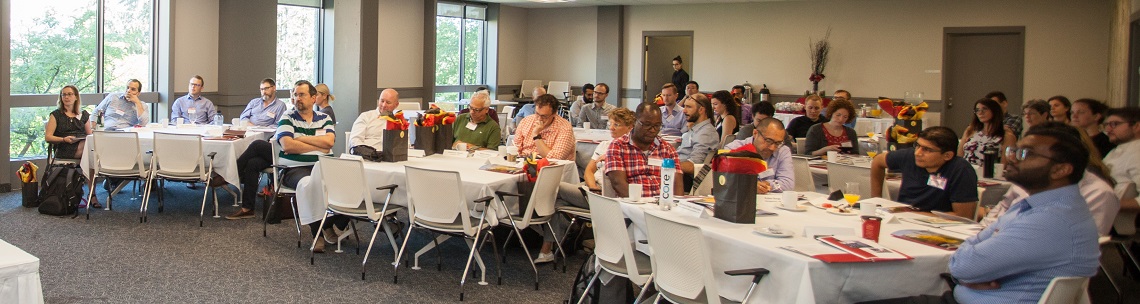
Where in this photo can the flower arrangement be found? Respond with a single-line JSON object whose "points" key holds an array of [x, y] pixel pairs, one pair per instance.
{"points": [[788, 106], [435, 117], [818, 51]]}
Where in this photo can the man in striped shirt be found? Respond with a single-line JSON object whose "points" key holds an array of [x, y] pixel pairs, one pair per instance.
{"points": [[303, 135]]}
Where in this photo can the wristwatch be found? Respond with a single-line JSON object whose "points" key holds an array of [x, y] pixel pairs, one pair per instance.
{"points": [[537, 137]]}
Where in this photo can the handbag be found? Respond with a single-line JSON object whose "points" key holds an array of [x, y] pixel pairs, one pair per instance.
{"points": [[365, 151]]}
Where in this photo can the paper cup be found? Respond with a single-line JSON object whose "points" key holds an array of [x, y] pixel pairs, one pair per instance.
{"points": [[832, 156], [867, 209], [634, 190], [461, 146]]}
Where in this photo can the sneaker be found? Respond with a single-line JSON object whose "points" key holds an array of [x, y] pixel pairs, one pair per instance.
{"points": [[192, 186], [544, 258], [241, 214]]}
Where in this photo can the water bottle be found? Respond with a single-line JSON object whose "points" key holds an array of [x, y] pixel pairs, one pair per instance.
{"points": [[668, 172], [219, 119], [989, 158]]}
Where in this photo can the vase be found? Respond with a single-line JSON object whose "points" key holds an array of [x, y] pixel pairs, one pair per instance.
{"points": [[815, 86]]}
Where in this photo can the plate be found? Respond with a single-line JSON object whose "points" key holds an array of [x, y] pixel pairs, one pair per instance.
{"points": [[797, 209], [833, 211], [637, 201], [765, 232]]}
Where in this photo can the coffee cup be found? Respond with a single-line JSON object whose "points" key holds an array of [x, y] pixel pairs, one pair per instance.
{"points": [[635, 190], [867, 208], [788, 199]]}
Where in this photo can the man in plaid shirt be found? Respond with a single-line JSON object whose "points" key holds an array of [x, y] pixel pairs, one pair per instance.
{"points": [[636, 157], [545, 133]]}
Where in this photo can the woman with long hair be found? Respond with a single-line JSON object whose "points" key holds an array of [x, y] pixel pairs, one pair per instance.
{"points": [[726, 115], [833, 135], [986, 132], [1059, 107]]}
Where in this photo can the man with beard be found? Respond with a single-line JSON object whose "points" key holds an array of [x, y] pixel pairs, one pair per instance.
{"points": [[768, 140], [699, 140], [265, 110], [1122, 125], [933, 176], [1047, 235]]}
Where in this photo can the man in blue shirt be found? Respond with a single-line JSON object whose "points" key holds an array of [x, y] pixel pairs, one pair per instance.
{"points": [[266, 110], [193, 107], [672, 114], [528, 109], [1050, 234], [933, 176], [123, 110], [768, 140]]}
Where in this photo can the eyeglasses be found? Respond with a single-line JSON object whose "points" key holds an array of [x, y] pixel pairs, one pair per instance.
{"points": [[771, 142], [195, 85], [979, 110], [266, 88], [474, 109], [1112, 124], [650, 127], [68, 94], [925, 149], [1020, 154]]}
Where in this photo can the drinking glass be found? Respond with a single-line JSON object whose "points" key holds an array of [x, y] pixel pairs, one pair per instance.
{"points": [[851, 194]]}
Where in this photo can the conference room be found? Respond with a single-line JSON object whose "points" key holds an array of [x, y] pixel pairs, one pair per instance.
{"points": [[766, 141]]}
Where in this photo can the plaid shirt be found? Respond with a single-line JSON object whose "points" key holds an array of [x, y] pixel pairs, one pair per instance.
{"points": [[624, 156], [559, 136], [1014, 123]]}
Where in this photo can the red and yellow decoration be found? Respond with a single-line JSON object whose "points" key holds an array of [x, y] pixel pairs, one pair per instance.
{"points": [[396, 121], [743, 160]]}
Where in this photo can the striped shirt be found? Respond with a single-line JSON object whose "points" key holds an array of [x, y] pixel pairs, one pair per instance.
{"points": [[293, 125]]}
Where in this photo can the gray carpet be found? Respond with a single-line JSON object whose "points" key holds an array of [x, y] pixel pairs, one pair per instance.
{"points": [[112, 258]]}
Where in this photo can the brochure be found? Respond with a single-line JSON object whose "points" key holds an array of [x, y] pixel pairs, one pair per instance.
{"points": [[929, 238]]}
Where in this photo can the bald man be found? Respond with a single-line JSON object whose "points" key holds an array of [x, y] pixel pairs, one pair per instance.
{"points": [[528, 109], [368, 129]]}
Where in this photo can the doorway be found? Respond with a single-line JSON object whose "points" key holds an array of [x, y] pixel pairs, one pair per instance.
{"points": [[659, 50], [976, 61]]}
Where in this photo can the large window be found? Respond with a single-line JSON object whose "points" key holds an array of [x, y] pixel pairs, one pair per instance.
{"points": [[298, 29], [95, 45], [460, 41]]}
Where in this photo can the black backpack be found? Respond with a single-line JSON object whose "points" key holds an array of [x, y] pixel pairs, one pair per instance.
{"points": [[62, 190]]}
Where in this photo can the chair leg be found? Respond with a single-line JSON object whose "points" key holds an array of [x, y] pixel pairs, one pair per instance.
{"points": [[367, 252], [355, 235], [317, 238], [588, 286], [1125, 251], [498, 264], [506, 242], [90, 195], [643, 289], [529, 258], [205, 195], [146, 195], [557, 247], [438, 254], [296, 218], [400, 254], [467, 268]]}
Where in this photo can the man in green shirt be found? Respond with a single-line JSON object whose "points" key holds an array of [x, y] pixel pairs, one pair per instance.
{"points": [[476, 129]]}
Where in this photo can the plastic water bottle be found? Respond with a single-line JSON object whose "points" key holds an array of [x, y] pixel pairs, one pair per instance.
{"points": [[668, 173], [219, 119]]}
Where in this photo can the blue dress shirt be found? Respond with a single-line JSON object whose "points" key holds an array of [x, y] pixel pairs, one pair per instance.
{"points": [[524, 111], [118, 113], [672, 120], [780, 174], [195, 110], [1049, 234], [259, 114], [698, 142]]}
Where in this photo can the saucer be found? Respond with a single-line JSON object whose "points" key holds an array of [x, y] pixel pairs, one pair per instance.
{"points": [[797, 209], [765, 232], [834, 211]]}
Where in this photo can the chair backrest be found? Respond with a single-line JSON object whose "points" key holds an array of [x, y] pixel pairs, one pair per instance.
{"points": [[1066, 290], [118, 151], [805, 182], [560, 89], [607, 187], [510, 111], [801, 145], [528, 87], [681, 264], [544, 193], [427, 203], [705, 187], [839, 174], [611, 239], [1125, 221], [409, 106], [179, 153], [350, 191]]}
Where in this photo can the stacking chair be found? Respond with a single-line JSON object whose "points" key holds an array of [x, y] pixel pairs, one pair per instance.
{"points": [[117, 155], [52, 160], [279, 190], [805, 182], [1066, 290], [528, 87], [178, 157], [682, 268], [446, 213], [575, 214], [539, 210], [351, 197], [801, 146], [613, 249]]}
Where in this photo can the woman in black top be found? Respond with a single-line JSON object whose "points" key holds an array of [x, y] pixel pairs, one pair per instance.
{"points": [[68, 126], [1087, 115], [798, 127]]}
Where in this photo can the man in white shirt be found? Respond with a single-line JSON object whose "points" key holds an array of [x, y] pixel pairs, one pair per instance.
{"points": [[1122, 125], [368, 129]]}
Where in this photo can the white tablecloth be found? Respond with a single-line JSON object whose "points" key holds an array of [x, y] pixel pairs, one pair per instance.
{"points": [[476, 183], [863, 125], [992, 195], [19, 276], [796, 278], [225, 163]]}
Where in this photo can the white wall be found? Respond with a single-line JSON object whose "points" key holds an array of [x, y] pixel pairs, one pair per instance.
{"points": [[561, 44], [195, 43], [512, 45], [879, 48], [401, 44]]}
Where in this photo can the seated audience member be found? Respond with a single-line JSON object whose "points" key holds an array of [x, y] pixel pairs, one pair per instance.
{"points": [[595, 113], [1122, 125], [726, 116], [933, 177], [845, 95], [494, 115], [1009, 120], [545, 133], [767, 139], [1088, 115], [475, 128], [68, 126], [985, 132], [745, 108], [833, 135], [576, 106], [627, 160], [324, 99], [621, 122], [760, 111], [1060, 109], [265, 110], [672, 113], [368, 129], [303, 135], [1049, 234], [799, 126], [698, 141], [692, 87], [1033, 112], [193, 107], [123, 110], [842, 94], [528, 109], [1096, 188]]}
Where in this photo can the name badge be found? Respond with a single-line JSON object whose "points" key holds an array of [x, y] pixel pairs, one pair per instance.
{"points": [[471, 125], [845, 144], [654, 161], [270, 114], [120, 112], [191, 111], [321, 132], [937, 182]]}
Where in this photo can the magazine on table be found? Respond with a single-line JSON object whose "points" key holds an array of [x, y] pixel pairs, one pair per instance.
{"points": [[929, 238], [847, 249]]}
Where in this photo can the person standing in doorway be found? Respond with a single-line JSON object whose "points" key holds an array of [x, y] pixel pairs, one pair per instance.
{"points": [[680, 77]]}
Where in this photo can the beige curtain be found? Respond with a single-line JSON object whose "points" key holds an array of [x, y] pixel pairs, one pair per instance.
{"points": [[1118, 68]]}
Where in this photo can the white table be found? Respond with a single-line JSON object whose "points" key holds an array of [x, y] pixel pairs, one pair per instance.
{"points": [[796, 278], [992, 195], [19, 276], [225, 162], [476, 183], [863, 125]]}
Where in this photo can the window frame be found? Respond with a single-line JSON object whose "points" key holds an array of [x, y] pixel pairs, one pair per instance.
{"points": [[463, 87], [318, 64]]}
